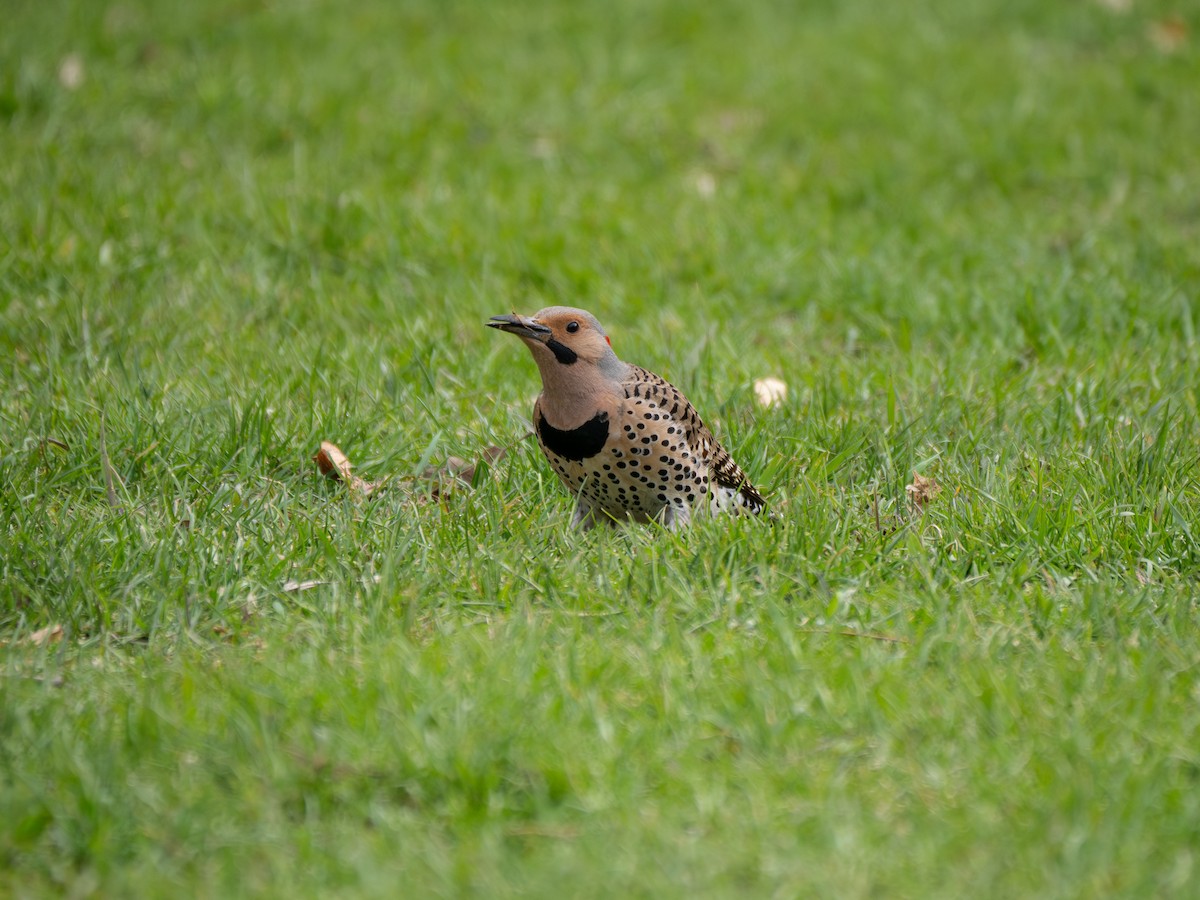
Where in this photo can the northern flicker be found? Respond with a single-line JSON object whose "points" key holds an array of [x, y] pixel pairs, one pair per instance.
{"points": [[624, 441]]}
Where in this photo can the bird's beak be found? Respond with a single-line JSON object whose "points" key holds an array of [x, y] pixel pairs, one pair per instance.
{"points": [[521, 327]]}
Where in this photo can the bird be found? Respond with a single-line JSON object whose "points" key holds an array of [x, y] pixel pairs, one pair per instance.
{"points": [[626, 442]]}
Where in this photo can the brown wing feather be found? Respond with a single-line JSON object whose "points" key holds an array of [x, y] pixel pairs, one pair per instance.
{"points": [[722, 469], [726, 472]]}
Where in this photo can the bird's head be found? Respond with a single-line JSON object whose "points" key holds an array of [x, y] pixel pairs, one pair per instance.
{"points": [[561, 337]]}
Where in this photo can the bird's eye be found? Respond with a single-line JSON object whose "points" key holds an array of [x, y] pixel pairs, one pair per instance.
{"points": [[572, 327]]}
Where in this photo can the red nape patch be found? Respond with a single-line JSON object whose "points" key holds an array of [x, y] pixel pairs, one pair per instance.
{"points": [[608, 339]]}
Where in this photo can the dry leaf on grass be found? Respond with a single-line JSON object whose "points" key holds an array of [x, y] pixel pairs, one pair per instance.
{"points": [[1168, 35], [922, 490], [435, 481], [51, 634], [457, 471], [294, 587], [770, 391], [333, 464]]}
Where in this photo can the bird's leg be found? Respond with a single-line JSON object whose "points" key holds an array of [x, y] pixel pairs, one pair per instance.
{"points": [[586, 516], [676, 518]]}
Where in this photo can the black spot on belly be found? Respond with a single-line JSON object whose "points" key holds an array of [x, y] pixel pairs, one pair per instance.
{"points": [[576, 443]]}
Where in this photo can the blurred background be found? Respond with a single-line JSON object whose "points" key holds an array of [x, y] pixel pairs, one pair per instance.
{"points": [[798, 171]]}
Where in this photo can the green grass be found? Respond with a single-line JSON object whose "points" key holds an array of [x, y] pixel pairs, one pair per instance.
{"points": [[966, 234]]}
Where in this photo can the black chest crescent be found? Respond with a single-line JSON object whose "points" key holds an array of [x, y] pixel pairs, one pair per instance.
{"points": [[576, 443]]}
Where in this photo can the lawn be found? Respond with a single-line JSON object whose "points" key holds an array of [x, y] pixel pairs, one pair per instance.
{"points": [[965, 235]]}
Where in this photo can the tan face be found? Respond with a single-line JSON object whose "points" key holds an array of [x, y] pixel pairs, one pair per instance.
{"points": [[570, 335]]}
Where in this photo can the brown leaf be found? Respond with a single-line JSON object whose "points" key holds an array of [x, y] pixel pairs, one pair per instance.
{"points": [[460, 468], [456, 471], [51, 634], [922, 490], [334, 464], [293, 586], [1168, 35]]}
